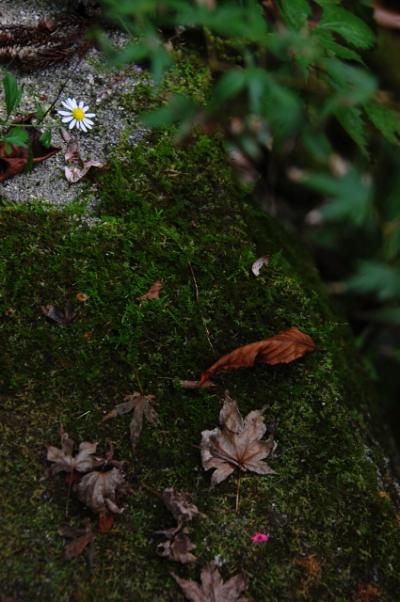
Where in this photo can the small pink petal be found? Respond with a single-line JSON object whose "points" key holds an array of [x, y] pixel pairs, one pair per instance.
{"points": [[259, 537], [258, 264]]}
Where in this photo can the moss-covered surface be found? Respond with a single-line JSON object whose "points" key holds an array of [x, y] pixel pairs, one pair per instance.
{"points": [[177, 215]]}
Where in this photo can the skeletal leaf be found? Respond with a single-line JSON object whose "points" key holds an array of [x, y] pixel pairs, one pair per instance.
{"points": [[258, 264], [177, 546], [64, 461], [142, 405], [180, 505], [282, 348], [99, 491], [153, 292], [59, 315], [212, 588], [237, 444]]}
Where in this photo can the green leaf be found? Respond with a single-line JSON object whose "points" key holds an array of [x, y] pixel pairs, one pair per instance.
{"points": [[351, 120], [347, 25], [377, 278], [327, 42], [351, 85], [12, 93], [45, 138], [40, 111], [386, 120], [228, 86], [17, 135], [295, 12], [180, 108], [348, 197]]}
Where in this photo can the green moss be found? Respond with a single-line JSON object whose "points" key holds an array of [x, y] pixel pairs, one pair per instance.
{"points": [[176, 214]]}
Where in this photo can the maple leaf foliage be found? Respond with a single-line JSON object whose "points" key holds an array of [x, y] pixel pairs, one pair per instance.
{"points": [[180, 504], [99, 490], [282, 348], [63, 458], [212, 588], [237, 444], [177, 546], [142, 405], [80, 539]]}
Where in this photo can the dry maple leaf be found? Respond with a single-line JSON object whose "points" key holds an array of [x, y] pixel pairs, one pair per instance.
{"points": [[282, 348], [237, 444], [64, 461], [180, 504], [153, 292], [80, 539], [141, 405], [212, 587], [177, 546], [17, 160], [99, 490], [76, 167], [58, 315]]}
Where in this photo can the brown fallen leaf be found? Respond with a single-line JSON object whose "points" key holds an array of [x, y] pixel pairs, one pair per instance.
{"points": [[237, 444], [282, 348], [177, 546], [180, 504], [141, 405], [35, 152], [76, 167], [153, 292], [80, 539], [259, 264], [59, 315], [64, 461], [99, 490], [367, 593], [212, 587]]}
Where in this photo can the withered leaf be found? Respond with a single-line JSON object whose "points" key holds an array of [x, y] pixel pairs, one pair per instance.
{"points": [[177, 546], [153, 292], [282, 348], [76, 167], [99, 490], [35, 152], [258, 264], [212, 587], [237, 444], [58, 315], [64, 461], [142, 405], [180, 504], [387, 17], [80, 539], [195, 384]]}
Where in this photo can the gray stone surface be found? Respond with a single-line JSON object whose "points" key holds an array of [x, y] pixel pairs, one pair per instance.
{"points": [[87, 80]]}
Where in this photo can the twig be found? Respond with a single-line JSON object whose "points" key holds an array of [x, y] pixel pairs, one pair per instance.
{"points": [[237, 494], [197, 296], [150, 490]]}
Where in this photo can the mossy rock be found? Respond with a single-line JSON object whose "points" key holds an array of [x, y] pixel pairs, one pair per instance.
{"points": [[177, 214]]}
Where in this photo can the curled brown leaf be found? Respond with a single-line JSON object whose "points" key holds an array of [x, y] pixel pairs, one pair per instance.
{"points": [[180, 504], [99, 490], [153, 292], [282, 348], [64, 461], [177, 546]]}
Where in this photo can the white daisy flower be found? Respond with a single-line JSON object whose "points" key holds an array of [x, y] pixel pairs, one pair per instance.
{"points": [[76, 115]]}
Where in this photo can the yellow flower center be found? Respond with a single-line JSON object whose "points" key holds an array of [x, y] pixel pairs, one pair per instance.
{"points": [[78, 114]]}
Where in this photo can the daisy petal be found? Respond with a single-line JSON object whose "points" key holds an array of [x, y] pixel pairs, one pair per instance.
{"points": [[90, 114], [81, 104], [64, 113], [88, 122], [74, 104], [83, 127], [72, 124], [85, 108], [67, 119]]}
